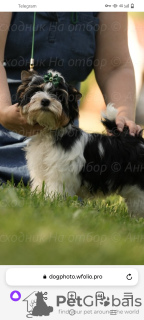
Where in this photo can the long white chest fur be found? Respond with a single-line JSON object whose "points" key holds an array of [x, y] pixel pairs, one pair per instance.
{"points": [[48, 162]]}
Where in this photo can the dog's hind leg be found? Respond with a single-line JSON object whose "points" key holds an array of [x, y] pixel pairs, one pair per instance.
{"points": [[134, 198]]}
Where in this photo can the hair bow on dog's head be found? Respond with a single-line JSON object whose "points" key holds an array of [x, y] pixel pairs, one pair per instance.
{"points": [[54, 79]]}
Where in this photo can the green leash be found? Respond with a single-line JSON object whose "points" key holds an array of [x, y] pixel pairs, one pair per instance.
{"points": [[74, 20], [74, 17], [32, 50]]}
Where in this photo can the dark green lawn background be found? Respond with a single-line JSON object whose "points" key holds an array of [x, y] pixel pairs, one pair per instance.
{"points": [[38, 231]]}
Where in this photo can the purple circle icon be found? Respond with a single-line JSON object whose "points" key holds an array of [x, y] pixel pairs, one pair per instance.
{"points": [[15, 295]]}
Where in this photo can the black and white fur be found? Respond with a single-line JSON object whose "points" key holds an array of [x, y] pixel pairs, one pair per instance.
{"points": [[71, 161]]}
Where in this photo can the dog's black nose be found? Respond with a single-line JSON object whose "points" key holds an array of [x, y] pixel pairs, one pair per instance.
{"points": [[45, 102]]}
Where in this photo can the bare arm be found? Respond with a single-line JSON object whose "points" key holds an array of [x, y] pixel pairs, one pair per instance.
{"points": [[5, 98], [115, 73], [10, 116]]}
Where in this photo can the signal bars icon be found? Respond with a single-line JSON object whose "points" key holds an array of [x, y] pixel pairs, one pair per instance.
{"points": [[120, 6]]}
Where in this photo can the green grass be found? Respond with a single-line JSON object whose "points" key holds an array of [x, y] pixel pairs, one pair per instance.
{"points": [[34, 230]]}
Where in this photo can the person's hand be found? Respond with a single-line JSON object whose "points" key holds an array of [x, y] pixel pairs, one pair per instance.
{"points": [[11, 119], [122, 121]]}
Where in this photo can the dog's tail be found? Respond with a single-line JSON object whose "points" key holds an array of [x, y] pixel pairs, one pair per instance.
{"points": [[109, 120]]}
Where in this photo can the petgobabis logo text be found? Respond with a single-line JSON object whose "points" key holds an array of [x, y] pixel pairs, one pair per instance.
{"points": [[99, 299]]}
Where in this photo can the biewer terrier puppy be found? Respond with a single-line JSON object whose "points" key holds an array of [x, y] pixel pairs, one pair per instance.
{"points": [[71, 161]]}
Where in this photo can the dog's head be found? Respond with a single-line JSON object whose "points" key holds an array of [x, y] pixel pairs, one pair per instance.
{"points": [[48, 101]]}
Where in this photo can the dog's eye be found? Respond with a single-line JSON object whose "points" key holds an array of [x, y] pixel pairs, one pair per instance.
{"points": [[28, 95], [33, 90]]}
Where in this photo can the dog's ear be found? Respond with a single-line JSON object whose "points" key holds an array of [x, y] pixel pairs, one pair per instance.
{"points": [[74, 92], [27, 75], [74, 96]]}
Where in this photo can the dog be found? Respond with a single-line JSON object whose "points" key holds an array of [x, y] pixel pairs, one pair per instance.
{"points": [[70, 161]]}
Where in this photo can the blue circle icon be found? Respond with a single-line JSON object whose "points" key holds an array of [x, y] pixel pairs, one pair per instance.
{"points": [[15, 295]]}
